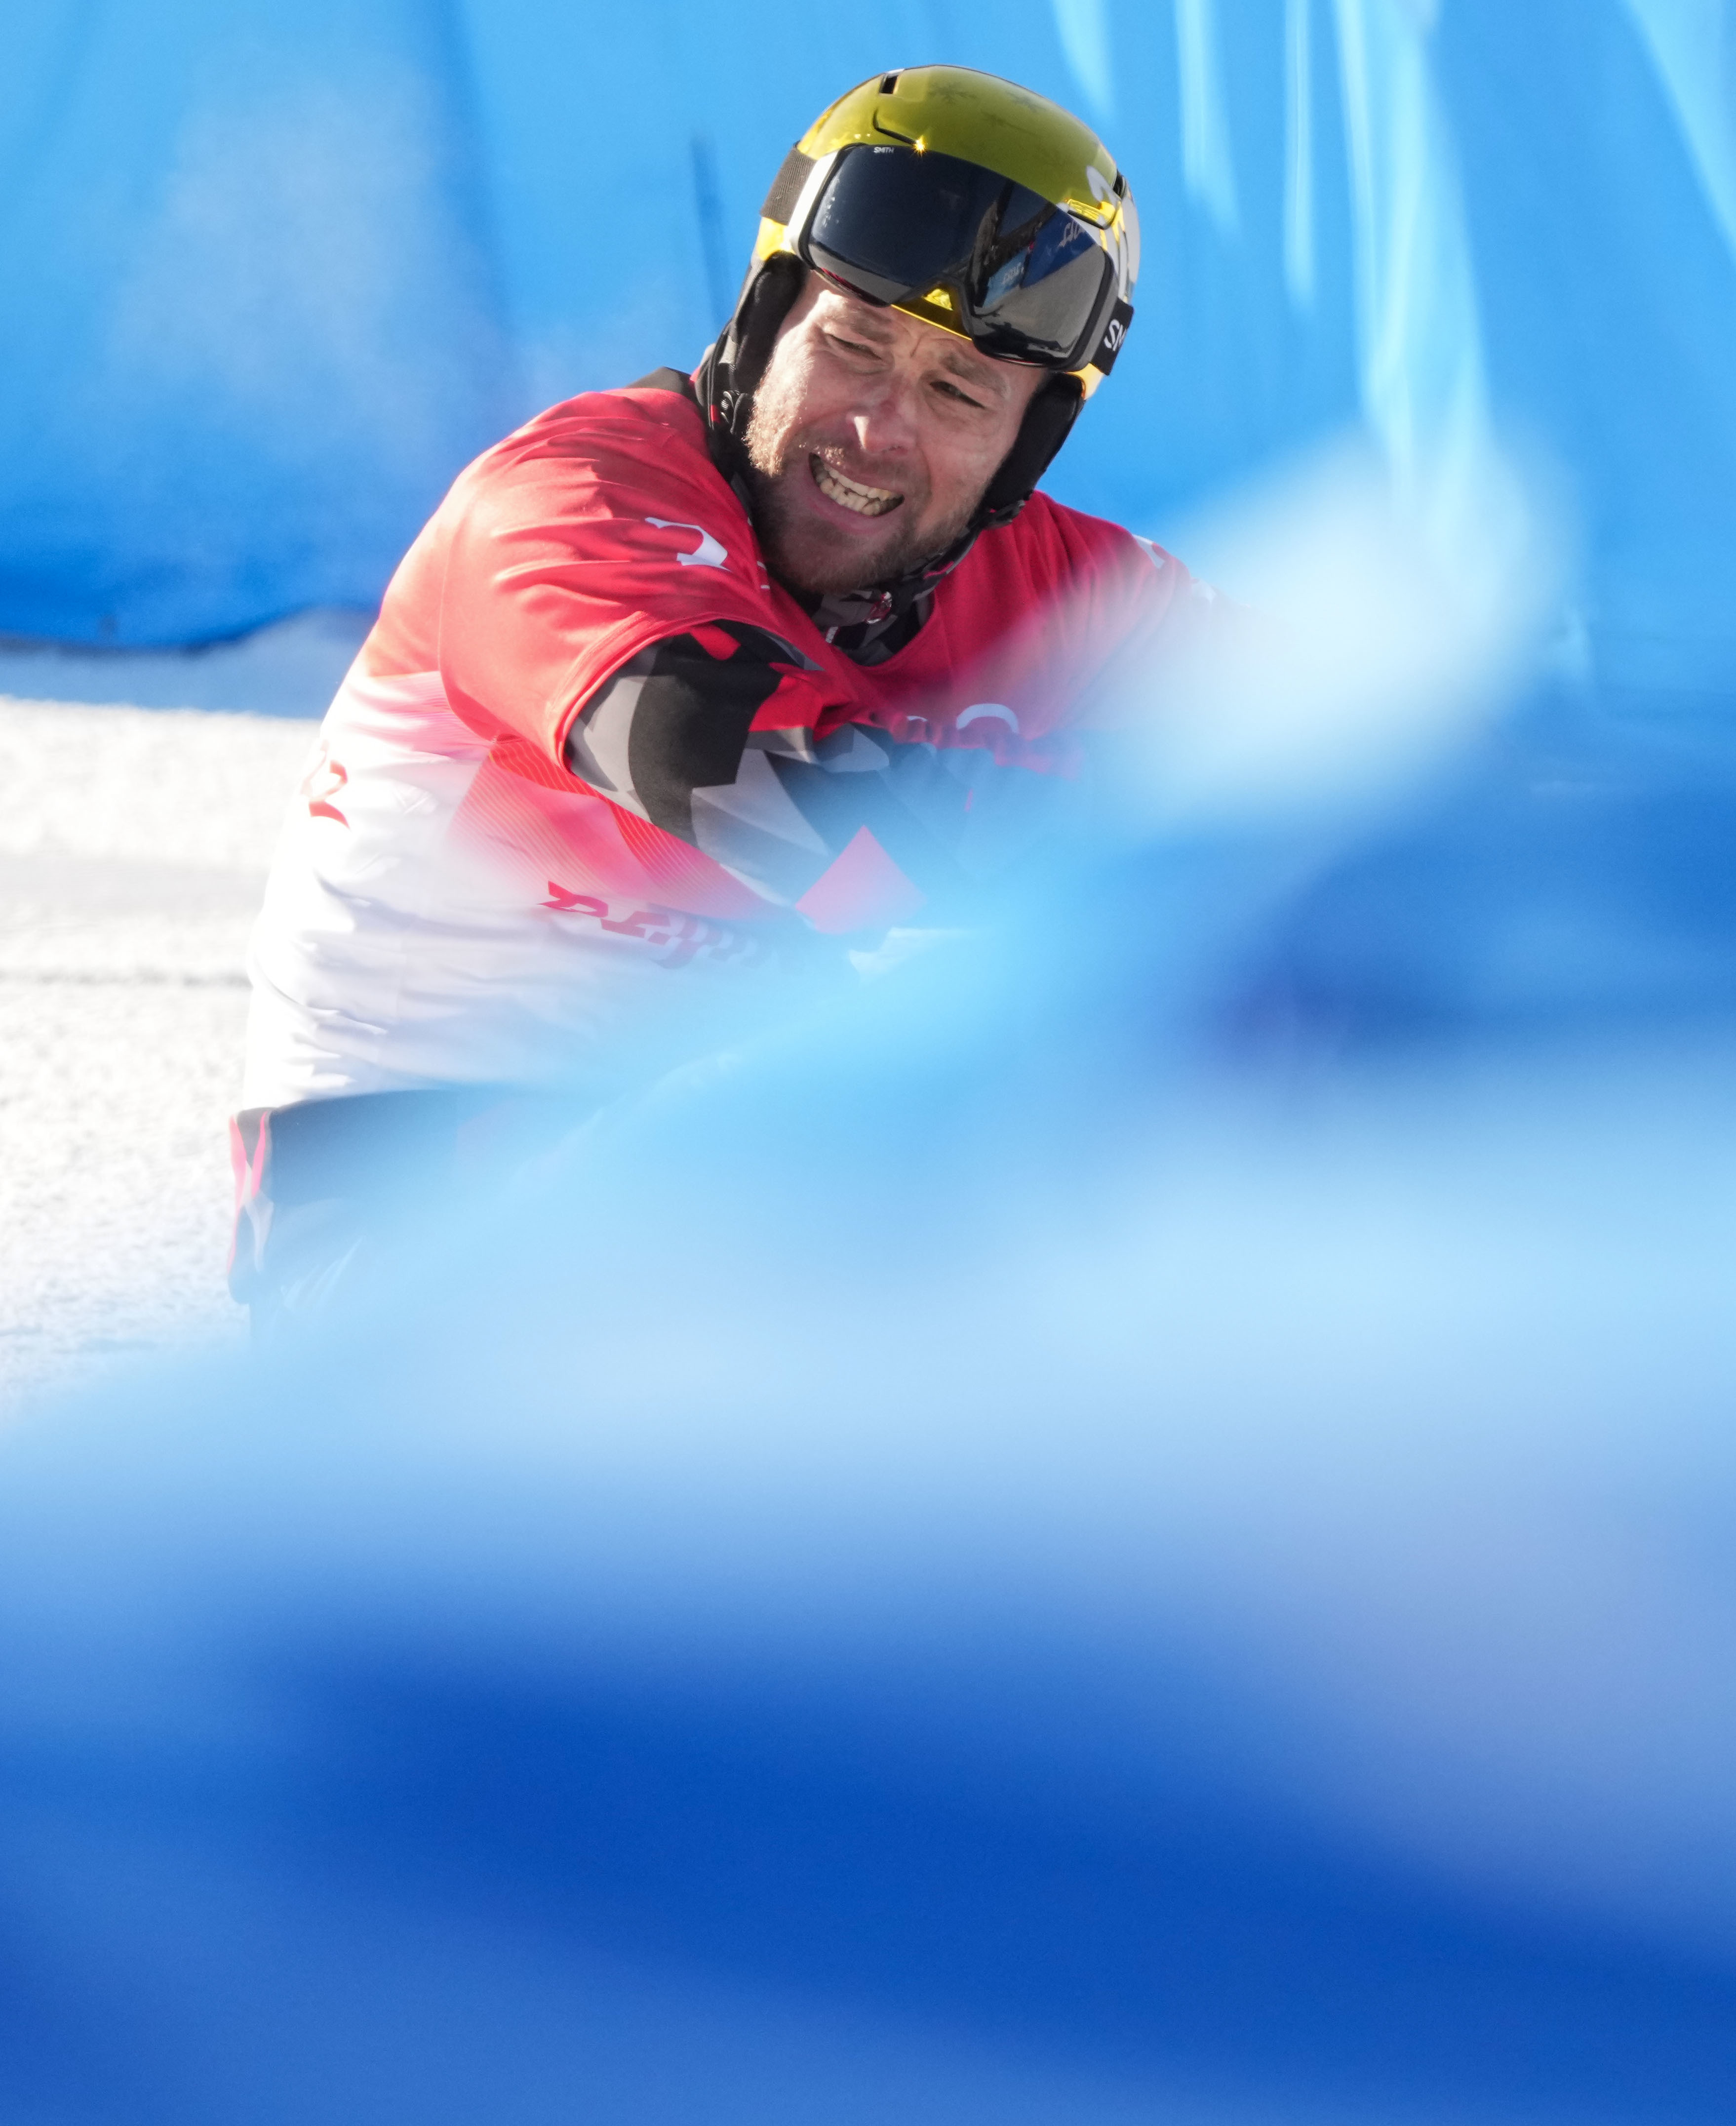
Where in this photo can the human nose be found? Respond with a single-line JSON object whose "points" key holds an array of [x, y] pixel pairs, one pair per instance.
{"points": [[884, 416]]}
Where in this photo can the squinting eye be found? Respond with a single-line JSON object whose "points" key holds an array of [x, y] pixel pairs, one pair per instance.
{"points": [[964, 397]]}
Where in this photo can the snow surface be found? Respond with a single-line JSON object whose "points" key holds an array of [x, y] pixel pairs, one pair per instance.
{"points": [[134, 844]]}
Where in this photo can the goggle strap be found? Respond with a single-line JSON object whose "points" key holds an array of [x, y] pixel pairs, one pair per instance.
{"points": [[1115, 333], [787, 187]]}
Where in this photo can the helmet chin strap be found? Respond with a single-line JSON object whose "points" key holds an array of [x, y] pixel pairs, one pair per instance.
{"points": [[734, 365]]}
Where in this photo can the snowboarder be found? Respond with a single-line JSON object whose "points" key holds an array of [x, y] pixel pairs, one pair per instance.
{"points": [[689, 683]]}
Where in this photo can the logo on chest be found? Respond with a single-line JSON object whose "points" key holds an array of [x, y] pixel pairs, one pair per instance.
{"points": [[987, 712]]}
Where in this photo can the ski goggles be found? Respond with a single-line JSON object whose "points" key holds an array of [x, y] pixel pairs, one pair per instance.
{"points": [[976, 253]]}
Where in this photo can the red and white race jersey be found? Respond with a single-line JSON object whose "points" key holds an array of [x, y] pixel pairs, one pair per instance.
{"points": [[451, 904]]}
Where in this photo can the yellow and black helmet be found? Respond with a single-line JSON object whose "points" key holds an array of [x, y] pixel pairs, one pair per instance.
{"points": [[969, 203]]}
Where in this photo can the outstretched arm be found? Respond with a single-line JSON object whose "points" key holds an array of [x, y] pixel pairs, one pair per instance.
{"points": [[852, 828]]}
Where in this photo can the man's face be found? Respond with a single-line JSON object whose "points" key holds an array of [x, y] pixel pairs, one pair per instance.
{"points": [[872, 439]]}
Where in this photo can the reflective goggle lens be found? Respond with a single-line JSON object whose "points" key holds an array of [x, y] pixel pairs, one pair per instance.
{"points": [[1029, 282]]}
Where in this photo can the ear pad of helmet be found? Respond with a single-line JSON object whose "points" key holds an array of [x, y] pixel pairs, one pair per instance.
{"points": [[1048, 421], [731, 371]]}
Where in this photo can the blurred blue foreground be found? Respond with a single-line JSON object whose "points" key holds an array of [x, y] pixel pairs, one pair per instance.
{"points": [[1096, 1532]]}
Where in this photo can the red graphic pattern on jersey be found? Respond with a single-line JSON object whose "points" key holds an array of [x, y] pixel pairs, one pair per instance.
{"points": [[689, 936], [320, 784]]}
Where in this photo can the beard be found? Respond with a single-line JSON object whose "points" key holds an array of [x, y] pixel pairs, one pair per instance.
{"points": [[800, 550]]}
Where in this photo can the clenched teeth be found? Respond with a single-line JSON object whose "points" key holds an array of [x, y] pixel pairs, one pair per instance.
{"points": [[850, 493]]}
